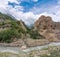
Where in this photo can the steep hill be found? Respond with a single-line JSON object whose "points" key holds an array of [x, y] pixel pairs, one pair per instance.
{"points": [[10, 28], [48, 28], [16, 33]]}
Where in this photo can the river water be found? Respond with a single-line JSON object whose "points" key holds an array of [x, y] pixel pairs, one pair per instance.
{"points": [[17, 49]]}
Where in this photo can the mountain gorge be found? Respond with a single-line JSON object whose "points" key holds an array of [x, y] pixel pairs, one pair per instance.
{"points": [[16, 33]]}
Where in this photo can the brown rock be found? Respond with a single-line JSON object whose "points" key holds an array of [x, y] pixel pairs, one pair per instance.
{"points": [[48, 28]]}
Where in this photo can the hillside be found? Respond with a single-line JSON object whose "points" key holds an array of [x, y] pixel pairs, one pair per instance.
{"points": [[10, 28], [48, 28], [16, 33]]}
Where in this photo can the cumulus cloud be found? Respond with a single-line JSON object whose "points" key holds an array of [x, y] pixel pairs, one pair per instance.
{"points": [[53, 11], [4, 5], [31, 16], [28, 17], [17, 11]]}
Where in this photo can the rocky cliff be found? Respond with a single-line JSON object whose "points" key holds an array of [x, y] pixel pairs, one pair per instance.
{"points": [[48, 28]]}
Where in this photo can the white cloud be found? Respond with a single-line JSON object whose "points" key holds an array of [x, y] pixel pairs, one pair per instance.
{"points": [[35, 0], [19, 8], [58, 1], [15, 1], [53, 11], [3, 5], [32, 16], [28, 17]]}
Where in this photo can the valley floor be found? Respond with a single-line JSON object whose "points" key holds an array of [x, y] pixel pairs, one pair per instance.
{"points": [[50, 50]]}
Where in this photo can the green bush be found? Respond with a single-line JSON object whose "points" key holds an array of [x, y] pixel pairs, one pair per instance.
{"points": [[35, 34], [7, 35]]}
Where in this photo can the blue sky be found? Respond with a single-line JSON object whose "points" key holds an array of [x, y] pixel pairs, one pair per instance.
{"points": [[29, 4], [30, 10]]}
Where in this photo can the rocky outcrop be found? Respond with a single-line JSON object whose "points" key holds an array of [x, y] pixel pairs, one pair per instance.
{"points": [[44, 23], [22, 24], [48, 28]]}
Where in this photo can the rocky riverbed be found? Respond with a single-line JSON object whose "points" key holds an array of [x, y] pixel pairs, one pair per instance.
{"points": [[50, 50]]}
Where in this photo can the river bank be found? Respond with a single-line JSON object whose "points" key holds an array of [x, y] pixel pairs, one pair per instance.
{"points": [[18, 50], [28, 42], [52, 49]]}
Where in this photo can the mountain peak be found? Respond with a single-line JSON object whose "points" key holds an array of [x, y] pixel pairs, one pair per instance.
{"points": [[44, 18], [44, 22]]}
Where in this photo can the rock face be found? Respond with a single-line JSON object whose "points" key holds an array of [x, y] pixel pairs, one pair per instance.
{"points": [[22, 25], [46, 23], [48, 28]]}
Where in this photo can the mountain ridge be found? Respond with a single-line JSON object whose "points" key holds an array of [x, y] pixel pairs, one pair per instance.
{"points": [[16, 33]]}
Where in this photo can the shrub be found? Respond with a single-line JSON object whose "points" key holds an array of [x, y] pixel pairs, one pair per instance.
{"points": [[7, 35], [35, 34]]}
